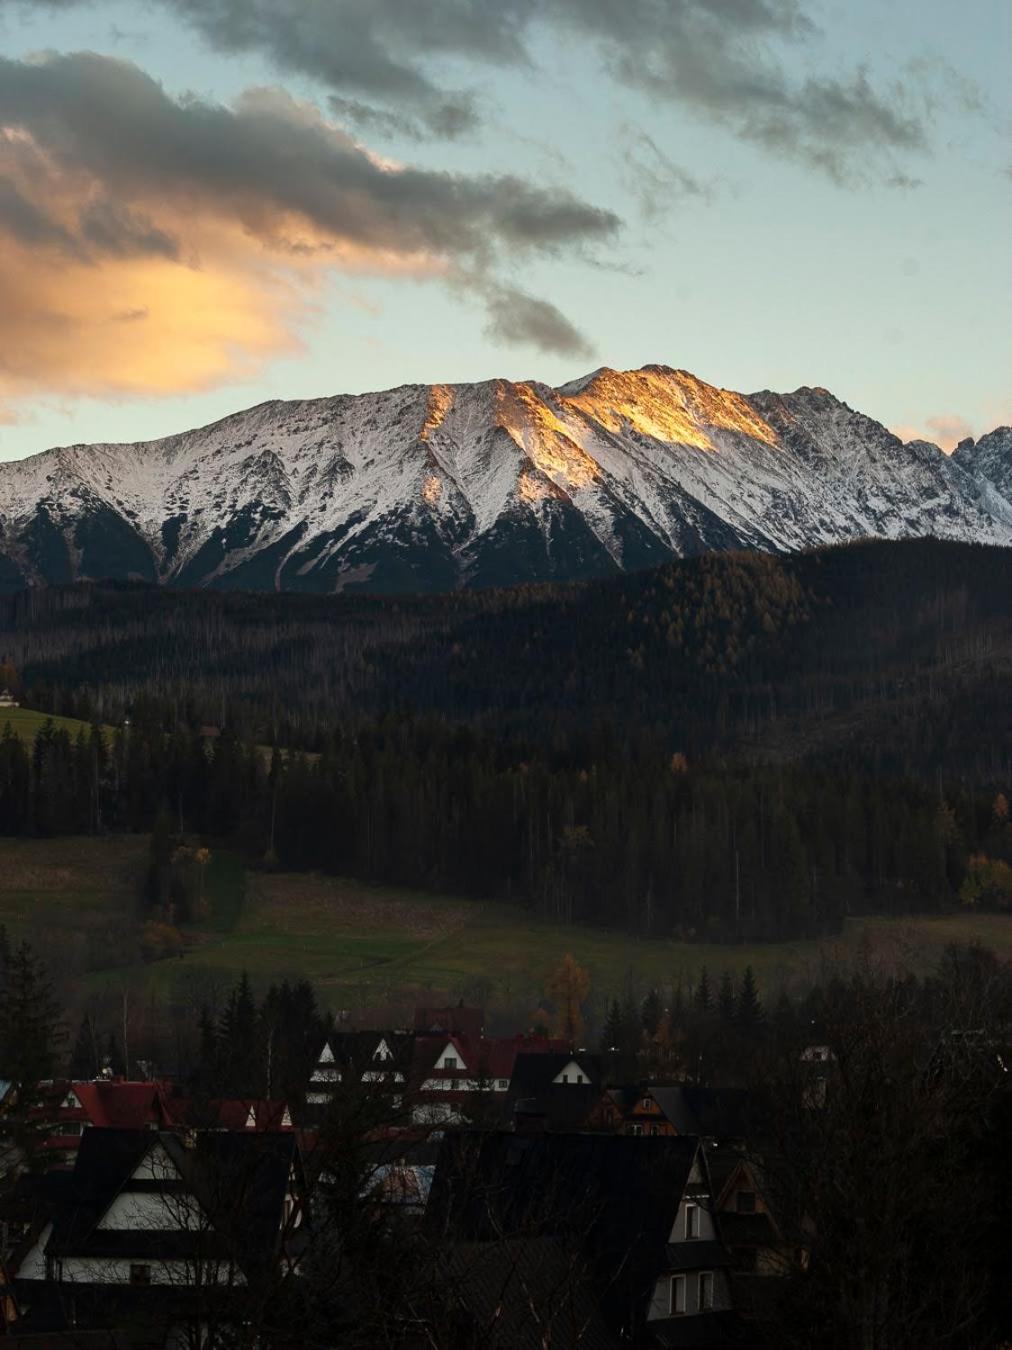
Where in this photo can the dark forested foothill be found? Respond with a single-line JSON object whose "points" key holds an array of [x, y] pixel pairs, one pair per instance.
{"points": [[733, 746]]}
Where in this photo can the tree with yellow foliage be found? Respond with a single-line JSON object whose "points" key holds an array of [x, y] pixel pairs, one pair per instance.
{"points": [[568, 987]]}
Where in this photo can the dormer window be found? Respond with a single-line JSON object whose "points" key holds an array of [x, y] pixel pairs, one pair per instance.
{"points": [[677, 1295]]}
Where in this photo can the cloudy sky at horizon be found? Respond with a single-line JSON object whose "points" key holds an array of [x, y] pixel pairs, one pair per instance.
{"points": [[209, 203]]}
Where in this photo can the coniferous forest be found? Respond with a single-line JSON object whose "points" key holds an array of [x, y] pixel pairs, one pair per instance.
{"points": [[737, 746]]}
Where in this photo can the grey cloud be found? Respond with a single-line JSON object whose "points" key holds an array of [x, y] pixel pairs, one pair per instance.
{"points": [[715, 57], [111, 119], [519, 319], [117, 231], [652, 177], [27, 222], [721, 59]]}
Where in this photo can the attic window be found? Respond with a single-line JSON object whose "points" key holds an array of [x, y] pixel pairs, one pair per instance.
{"points": [[449, 1061], [745, 1202], [705, 1290], [692, 1221], [140, 1274]]}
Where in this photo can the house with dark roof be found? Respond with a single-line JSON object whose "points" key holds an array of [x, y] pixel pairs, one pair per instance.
{"points": [[162, 1227], [638, 1212], [714, 1114], [363, 1057]]}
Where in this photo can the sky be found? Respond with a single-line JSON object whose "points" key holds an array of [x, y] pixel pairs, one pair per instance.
{"points": [[209, 203]]}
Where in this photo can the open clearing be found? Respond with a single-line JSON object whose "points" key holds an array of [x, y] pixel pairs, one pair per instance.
{"points": [[26, 722], [76, 900]]}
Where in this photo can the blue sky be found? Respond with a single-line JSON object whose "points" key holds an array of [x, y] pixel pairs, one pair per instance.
{"points": [[814, 194]]}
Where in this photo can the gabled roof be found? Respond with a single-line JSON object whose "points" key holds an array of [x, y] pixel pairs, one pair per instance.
{"points": [[357, 1049], [122, 1105], [560, 1106], [237, 1182], [453, 1020], [535, 1073], [611, 1197], [717, 1113]]}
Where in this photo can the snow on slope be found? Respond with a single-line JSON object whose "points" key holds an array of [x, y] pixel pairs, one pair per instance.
{"points": [[437, 486]]}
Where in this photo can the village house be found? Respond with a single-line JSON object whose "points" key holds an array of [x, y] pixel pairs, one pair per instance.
{"points": [[637, 1216], [68, 1109], [160, 1229]]}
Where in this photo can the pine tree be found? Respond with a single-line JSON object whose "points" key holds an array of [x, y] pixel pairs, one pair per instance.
{"points": [[32, 1030], [650, 1014], [702, 997], [84, 1059], [749, 1012], [242, 1065], [611, 1034], [725, 998]]}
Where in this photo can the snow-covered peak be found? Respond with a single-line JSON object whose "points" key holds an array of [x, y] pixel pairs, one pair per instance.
{"points": [[496, 481]]}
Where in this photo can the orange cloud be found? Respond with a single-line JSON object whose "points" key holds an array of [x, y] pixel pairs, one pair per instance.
{"points": [[945, 430], [154, 246]]}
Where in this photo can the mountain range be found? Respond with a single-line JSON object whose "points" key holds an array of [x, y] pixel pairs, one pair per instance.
{"points": [[434, 487]]}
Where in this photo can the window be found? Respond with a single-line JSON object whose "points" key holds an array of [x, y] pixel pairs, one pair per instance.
{"points": [[692, 1221], [646, 1104], [565, 1077], [746, 1202], [636, 1129], [449, 1061], [140, 1274], [705, 1290], [677, 1294], [503, 1084]]}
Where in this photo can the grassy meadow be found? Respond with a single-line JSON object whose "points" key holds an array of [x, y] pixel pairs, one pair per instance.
{"points": [[76, 900], [25, 722]]}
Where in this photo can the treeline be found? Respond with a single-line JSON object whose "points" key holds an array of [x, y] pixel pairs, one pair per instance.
{"points": [[624, 834], [894, 652]]}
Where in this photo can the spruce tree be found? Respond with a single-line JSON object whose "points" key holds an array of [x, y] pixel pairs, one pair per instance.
{"points": [[650, 1014], [611, 1034], [84, 1059], [749, 1010], [32, 1030], [702, 998], [725, 998], [242, 1066]]}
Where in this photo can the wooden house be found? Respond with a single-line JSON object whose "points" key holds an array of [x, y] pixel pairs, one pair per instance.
{"points": [[637, 1213], [158, 1227]]}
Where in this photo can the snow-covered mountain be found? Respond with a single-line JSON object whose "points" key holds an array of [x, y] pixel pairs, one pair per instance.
{"points": [[432, 487]]}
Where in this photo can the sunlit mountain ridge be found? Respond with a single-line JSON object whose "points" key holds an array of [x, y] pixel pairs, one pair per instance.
{"points": [[434, 487]]}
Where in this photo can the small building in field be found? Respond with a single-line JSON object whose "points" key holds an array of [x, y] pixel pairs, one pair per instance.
{"points": [[7, 699]]}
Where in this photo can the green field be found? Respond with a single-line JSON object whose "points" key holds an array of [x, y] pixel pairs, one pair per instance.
{"points": [[76, 899], [25, 722]]}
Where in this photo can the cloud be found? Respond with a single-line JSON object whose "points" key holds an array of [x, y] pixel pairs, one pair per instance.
{"points": [[519, 319], [149, 244], [721, 59], [945, 430], [652, 177]]}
